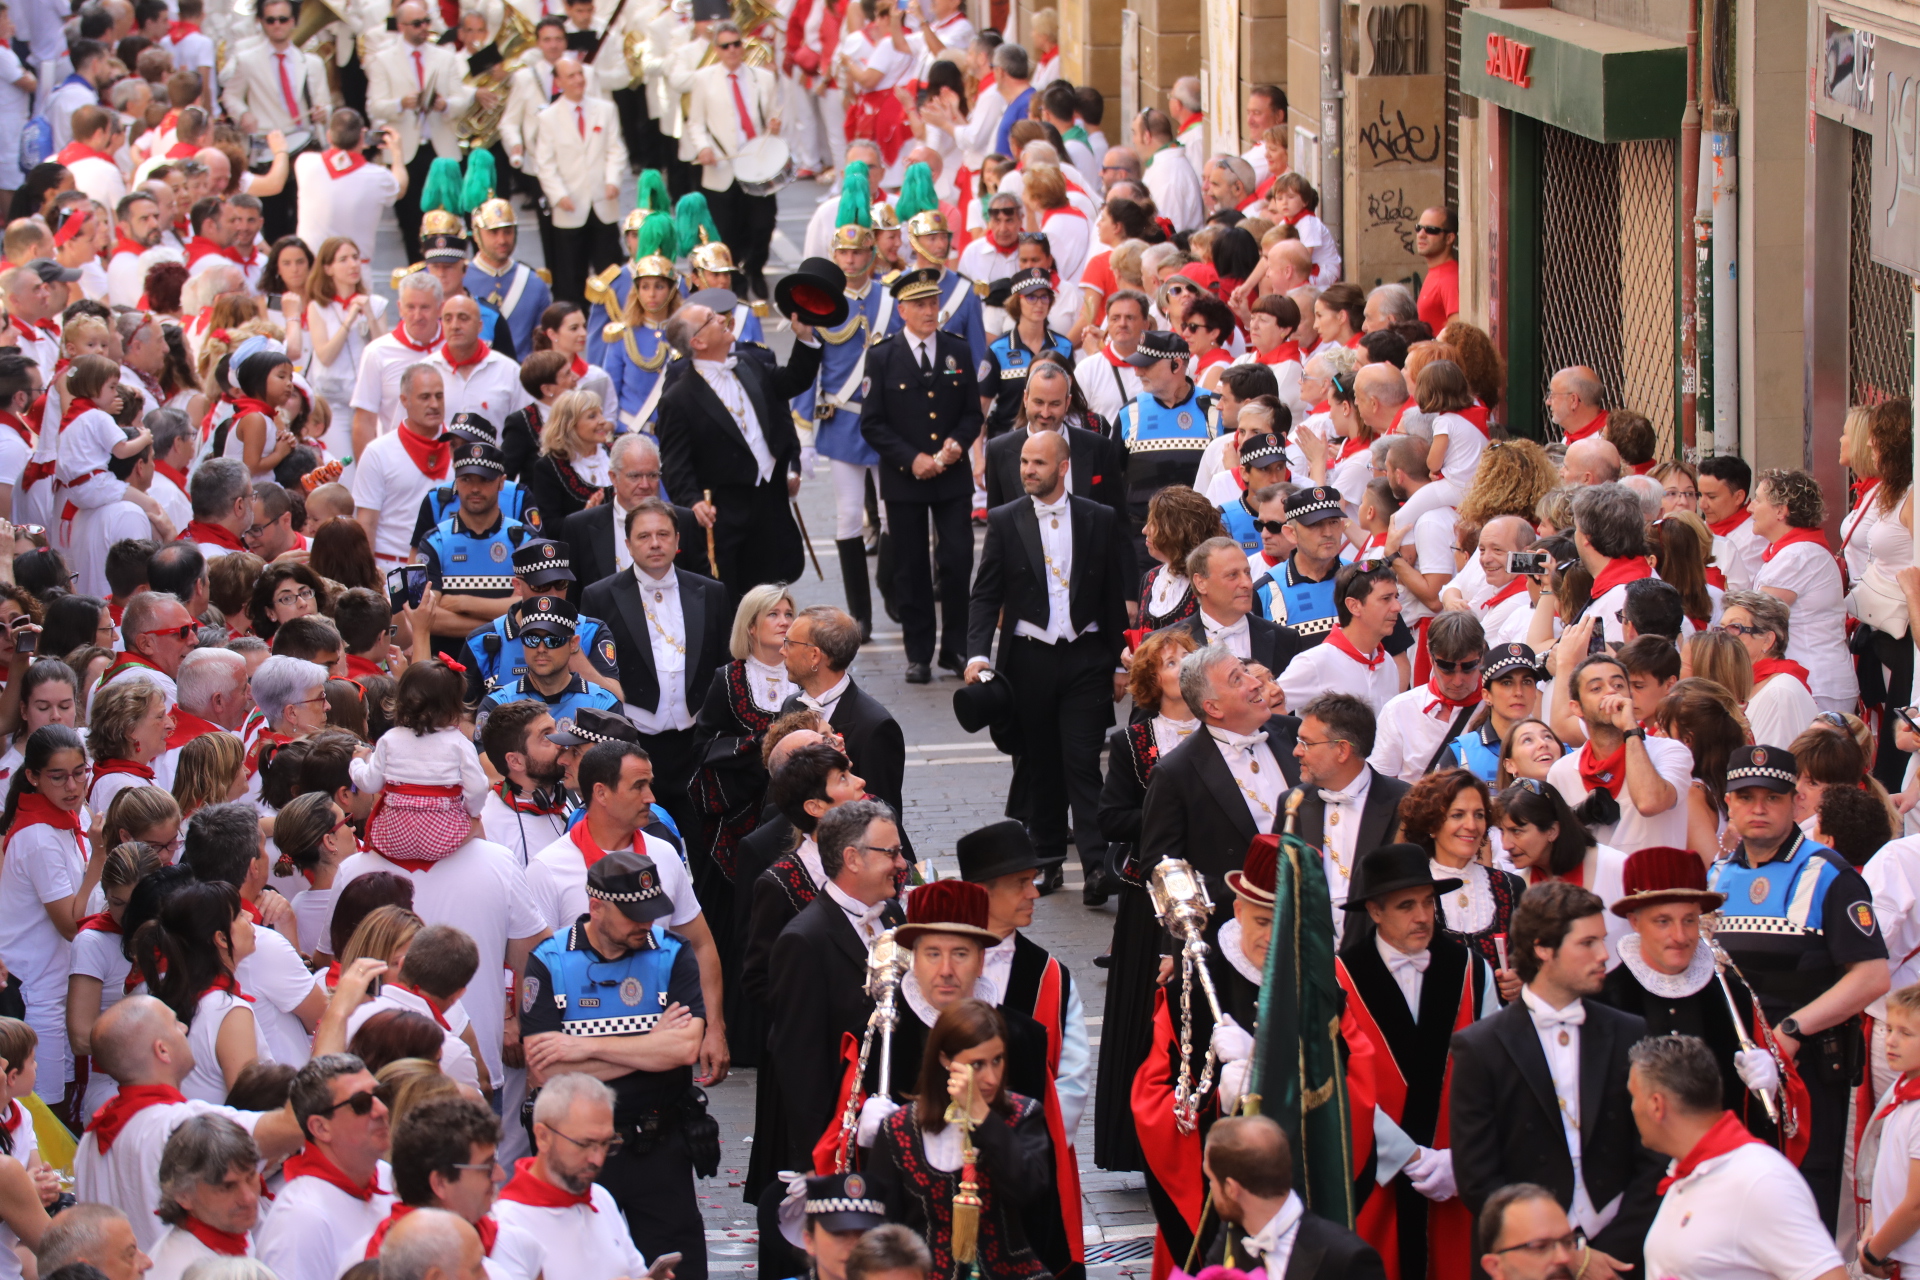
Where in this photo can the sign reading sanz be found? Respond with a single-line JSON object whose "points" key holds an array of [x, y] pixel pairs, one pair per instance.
{"points": [[1508, 59]]}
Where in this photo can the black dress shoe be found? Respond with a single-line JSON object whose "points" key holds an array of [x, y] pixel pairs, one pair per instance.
{"points": [[1099, 888], [952, 662], [919, 673], [1051, 879], [1103, 960]]}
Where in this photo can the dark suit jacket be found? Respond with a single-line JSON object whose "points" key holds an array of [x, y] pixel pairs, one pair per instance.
{"points": [[701, 446], [1322, 1250], [1012, 583], [1272, 644], [1379, 816], [819, 974], [1194, 809], [1098, 469], [875, 743], [589, 537], [907, 414], [1505, 1120], [703, 604]]}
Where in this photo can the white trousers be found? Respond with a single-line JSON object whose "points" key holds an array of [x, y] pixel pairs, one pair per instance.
{"points": [[850, 499], [818, 133]]}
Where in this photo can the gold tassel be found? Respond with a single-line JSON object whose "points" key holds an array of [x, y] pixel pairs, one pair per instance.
{"points": [[966, 1212]]}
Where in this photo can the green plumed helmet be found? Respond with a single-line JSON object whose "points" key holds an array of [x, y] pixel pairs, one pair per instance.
{"points": [[442, 187], [856, 203], [916, 193], [691, 216], [656, 238], [650, 192], [480, 181]]}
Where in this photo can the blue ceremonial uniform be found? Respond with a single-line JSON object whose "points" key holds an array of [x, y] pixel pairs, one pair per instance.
{"points": [[443, 500], [960, 314], [831, 407], [1005, 376], [636, 359], [495, 655], [565, 704], [608, 294], [518, 293]]}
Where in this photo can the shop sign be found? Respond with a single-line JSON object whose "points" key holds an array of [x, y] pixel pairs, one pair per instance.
{"points": [[1599, 81], [1872, 84], [1507, 60]]}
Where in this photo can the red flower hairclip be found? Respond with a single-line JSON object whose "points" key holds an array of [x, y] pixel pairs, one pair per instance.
{"points": [[450, 663]]}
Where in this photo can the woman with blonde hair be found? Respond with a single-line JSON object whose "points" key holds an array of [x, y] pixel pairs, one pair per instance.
{"points": [[127, 728], [1178, 520], [1512, 479], [407, 1083], [146, 815], [212, 770], [573, 469], [1069, 234], [1721, 658], [1856, 456], [384, 934]]}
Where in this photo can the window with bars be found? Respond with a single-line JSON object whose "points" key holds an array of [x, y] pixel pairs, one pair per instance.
{"points": [[1879, 300], [1452, 66]]}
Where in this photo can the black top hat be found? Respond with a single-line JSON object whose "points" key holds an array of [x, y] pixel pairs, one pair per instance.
{"points": [[1390, 868], [549, 613], [815, 294], [1157, 345], [1507, 659], [1314, 504], [590, 726], [988, 704], [631, 882], [999, 850], [1771, 767], [475, 458], [471, 426], [540, 562]]}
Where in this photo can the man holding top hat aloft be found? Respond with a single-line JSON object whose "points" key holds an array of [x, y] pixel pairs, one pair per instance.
{"points": [[1408, 990], [1055, 576]]}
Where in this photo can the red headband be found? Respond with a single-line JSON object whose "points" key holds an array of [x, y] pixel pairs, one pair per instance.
{"points": [[71, 227]]}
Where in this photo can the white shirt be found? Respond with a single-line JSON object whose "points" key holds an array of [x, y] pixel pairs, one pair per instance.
{"points": [[829, 698], [1818, 636], [525, 834], [443, 758], [865, 919], [1559, 1032], [1635, 830], [733, 397], [386, 480], [1340, 832], [42, 864], [1234, 635], [311, 1231], [1056, 551], [1409, 972], [279, 982], [581, 1242], [1175, 188], [124, 1176], [667, 631], [1737, 555], [378, 388], [95, 529], [179, 1249], [1780, 708], [1106, 385], [1894, 876], [490, 387], [1325, 669], [456, 1060], [1255, 772], [349, 205], [1745, 1215], [1273, 1243], [1409, 734], [557, 881], [206, 1081]]}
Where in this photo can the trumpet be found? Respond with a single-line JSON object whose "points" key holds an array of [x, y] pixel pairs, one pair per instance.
{"points": [[479, 127], [1180, 901]]}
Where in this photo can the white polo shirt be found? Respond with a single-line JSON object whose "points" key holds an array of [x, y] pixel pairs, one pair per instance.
{"points": [[124, 1176], [279, 982], [386, 479], [310, 1232], [581, 1242], [1634, 830], [1327, 669], [490, 387], [1746, 1215], [1409, 733], [377, 390], [557, 879]]}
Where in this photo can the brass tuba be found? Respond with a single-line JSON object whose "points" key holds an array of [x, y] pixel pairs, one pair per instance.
{"points": [[750, 16], [315, 16], [479, 127]]}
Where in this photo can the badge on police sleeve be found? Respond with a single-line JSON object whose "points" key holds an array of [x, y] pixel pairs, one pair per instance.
{"points": [[529, 993], [606, 650], [1861, 913], [630, 992]]}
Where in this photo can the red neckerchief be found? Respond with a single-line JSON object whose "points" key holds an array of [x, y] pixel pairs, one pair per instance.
{"points": [[1507, 592], [1609, 774], [100, 922], [400, 336], [480, 352], [430, 456], [1793, 536], [35, 810], [182, 151], [1727, 1134], [1721, 528], [217, 534], [178, 31], [1540, 875], [526, 1187], [108, 767], [1447, 706], [510, 796], [1393, 428], [431, 1003], [1293, 219], [1353, 445], [1281, 354], [1476, 413], [1339, 640], [1594, 428], [579, 366], [1354, 341], [228, 1244], [1767, 668], [121, 244], [226, 981], [361, 668], [1619, 573], [487, 1229], [1114, 358], [186, 727], [19, 425], [583, 841], [341, 163], [16, 1116], [70, 226], [78, 150], [258, 917], [1905, 1089], [310, 1162], [244, 405], [200, 247], [115, 611], [78, 406], [121, 661], [123, 1106]]}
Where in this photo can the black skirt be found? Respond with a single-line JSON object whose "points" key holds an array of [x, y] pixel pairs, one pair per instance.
{"points": [[1126, 1031]]}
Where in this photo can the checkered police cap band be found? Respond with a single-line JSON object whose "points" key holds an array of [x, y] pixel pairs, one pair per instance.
{"points": [[476, 457], [1506, 661], [540, 558], [846, 1204], [553, 620], [1158, 348], [1314, 501], [578, 730], [649, 888], [1745, 772], [1027, 282]]}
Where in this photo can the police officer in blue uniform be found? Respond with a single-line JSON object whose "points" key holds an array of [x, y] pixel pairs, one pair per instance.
{"points": [[1165, 429], [1263, 463], [960, 311], [1299, 592], [440, 501], [1509, 677], [549, 642], [495, 654], [630, 991], [1799, 923], [469, 555], [1009, 358]]}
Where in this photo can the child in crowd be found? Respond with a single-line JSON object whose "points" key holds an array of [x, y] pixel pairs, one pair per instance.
{"points": [[1890, 1149], [429, 778], [89, 438]]}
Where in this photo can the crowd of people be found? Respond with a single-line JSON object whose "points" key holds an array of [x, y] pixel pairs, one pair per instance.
{"points": [[422, 782]]}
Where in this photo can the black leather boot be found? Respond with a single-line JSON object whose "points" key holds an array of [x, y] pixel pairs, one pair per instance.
{"points": [[853, 572]]}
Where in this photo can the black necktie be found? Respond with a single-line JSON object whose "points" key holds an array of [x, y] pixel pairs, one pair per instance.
{"points": [[926, 365]]}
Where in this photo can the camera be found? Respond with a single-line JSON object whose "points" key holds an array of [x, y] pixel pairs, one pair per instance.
{"points": [[1532, 564]]}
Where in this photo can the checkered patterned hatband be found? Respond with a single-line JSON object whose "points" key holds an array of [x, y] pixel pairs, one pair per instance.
{"points": [[846, 1204], [1744, 772]]}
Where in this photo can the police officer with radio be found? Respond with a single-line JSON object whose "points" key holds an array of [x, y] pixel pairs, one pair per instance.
{"points": [[496, 653], [1799, 923], [469, 555], [438, 505], [1165, 429], [548, 644], [615, 998]]}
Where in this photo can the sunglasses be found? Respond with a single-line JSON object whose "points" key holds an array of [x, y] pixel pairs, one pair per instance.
{"points": [[731, 44], [1457, 668], [1275, 527], [185, 631], [1034, 237], [361, 1100], [547, 640], [1432, 231], [283, 21]]}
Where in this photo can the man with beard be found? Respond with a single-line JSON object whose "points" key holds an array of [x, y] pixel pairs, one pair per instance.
{"points": [[555, 1196], [1249, 1170], [527, 810], [136, 233]]}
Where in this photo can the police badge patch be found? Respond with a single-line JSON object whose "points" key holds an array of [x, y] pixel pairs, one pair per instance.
{"points": [[498, 551], [529, 993], [630, 992], [606, 651], [1757, 892], [1861, 913], [1186, 420]]}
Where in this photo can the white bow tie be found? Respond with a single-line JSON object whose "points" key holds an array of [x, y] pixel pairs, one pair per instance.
{"points": [[1215, 629], [668, 583], [1571, 1016], [1399, 961], [1338, 797], [1044, 509], [1246, 744]]}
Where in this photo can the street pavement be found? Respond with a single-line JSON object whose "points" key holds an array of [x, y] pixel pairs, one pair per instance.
{"points": [[955, 783]]}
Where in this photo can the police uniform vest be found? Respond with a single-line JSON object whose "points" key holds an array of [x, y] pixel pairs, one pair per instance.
{"points": [[500, 656], [1240, 524], [1007, 378], [443, 500], [1303, 604], [624, 997], [1478, 751], [474, 564], [1773, 921], [1164, 444], [565, 704]]}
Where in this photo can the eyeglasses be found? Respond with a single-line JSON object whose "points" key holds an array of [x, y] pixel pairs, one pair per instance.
{"points": [[1181, 288], [302, 596], [1432, 231], [62, 779], [891, 850], [361, 1100], [608, 1145], [1458, 668], [1322, 742], [1735, 628], [1573, 1242], [417, 22], [547, 640], [636, 477], [307, 702], [731, 44], [185, 631]]}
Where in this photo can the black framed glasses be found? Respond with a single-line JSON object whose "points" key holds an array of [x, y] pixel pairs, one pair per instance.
{"points": [[608, 1145], [1572, 1242], [1458, 668]]}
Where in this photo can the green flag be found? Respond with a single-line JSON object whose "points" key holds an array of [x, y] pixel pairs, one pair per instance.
{"points": [[1299, 1060]]}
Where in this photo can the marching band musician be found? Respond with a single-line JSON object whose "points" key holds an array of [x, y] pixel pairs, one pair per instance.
{"points": [[607, 292], [518, 292], [729, 104], [918, 210], [417, 87], [531, 90], [636, 352]]}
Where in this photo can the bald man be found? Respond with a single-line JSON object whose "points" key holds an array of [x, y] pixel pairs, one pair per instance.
{"points": [[1573, 401], [1591, 460], [1289, 267], [478, 379], [432, 1244]]}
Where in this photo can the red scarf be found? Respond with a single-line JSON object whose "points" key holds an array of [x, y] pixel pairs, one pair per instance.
{"points": [[583, 841], [178, 31], [244, 405], [200, 247], [1905, 1089], [359, 668], [121, 661], [78, 150], [431, 456], [431, 1004], [480, 352], [1338, 639], [19, 425], [132, 1099], [35, 810], [1447, 706], [226, 981], [1796, 535], [579, 367], [400, 336], [108, 767], [1619, 573], [228, 1244], [1476, 413], [1608, 775], [1727, 1134], [487, 1228], [526, 1187], [186, 727], [339, 165], [102, 922], [1353, 445], [1281, 354], [1593, 428], [182, 151], [1766, 668], [310, 1162], [78, 406], [1507, 592], [217, 534], [121, 244]]}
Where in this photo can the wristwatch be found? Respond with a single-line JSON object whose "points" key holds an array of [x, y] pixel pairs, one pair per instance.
{"points": [[1790, 1027], [1635, 732], [1866, 1255]]}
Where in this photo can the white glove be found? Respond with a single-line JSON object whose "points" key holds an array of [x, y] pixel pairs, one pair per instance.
{"points": [[1233, 1083], [1230, 1043], [1756, 1069], [1431, 1172], [873, 1113]]}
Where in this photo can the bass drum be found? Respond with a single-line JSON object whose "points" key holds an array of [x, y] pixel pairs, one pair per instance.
{"points": [[764, 165]]}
